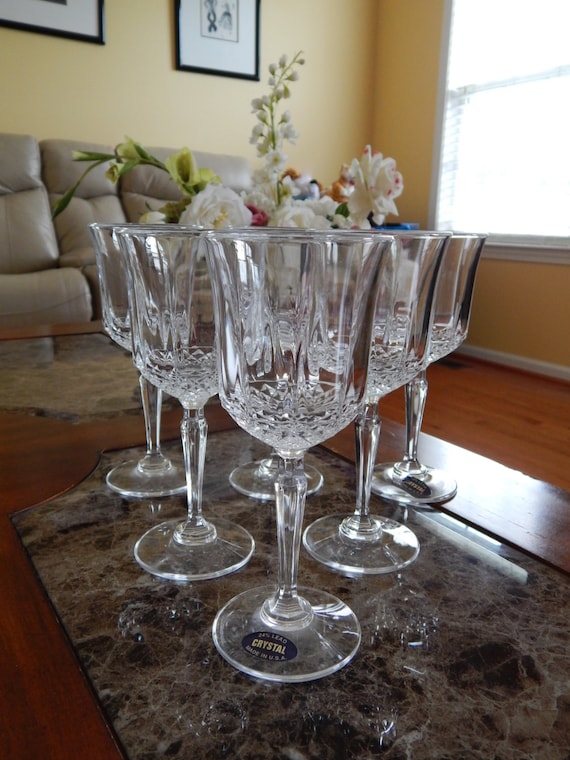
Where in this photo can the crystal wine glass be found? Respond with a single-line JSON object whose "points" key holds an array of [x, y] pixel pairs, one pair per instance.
{"points": [[174, 347], [154, 475], [409, 481], [293, 313], [365, 543]]}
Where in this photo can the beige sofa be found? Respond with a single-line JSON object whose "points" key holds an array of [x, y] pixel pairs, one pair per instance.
{"points": [[48, 273]]}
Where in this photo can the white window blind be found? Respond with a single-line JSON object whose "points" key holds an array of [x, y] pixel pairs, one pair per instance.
{"points": [[504, 161]]}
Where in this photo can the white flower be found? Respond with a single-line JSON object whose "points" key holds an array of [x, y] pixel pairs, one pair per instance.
{"points": [[289, 133], [152, 217], [275, 160], [376, 185], [272, 131], [217, 207], [298, 214], [341, 222], [324, 206]]}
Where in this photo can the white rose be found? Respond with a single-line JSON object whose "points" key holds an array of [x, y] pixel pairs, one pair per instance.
{"points": [[216, 207], [323, 206], [298, 214]]}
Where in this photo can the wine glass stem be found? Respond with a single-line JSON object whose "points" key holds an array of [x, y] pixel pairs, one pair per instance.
{"points": [[366, 437], [287, 608], [415, 399], [151, 397], [194, 433]]}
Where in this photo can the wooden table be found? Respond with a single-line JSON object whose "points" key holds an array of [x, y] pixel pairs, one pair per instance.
{"points": [[47, 709]]}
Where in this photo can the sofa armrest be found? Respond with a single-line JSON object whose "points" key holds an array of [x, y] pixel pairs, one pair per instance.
{"points": [[27, 237], [78, 258]]}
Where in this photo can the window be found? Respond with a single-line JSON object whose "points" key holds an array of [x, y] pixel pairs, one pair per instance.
{"points": [[503, 165]]}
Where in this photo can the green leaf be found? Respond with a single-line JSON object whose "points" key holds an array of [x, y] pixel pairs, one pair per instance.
{"points": [[144, 153], [64, 201]]}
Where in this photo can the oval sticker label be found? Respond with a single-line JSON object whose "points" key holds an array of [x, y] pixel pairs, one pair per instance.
{"points": [[415, 487], [266, 645]]}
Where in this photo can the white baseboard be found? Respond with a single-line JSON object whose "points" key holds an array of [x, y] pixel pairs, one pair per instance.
{"points": [[556, 371]]}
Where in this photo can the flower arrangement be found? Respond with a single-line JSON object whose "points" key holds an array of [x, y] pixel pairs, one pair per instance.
{"points": [[363, 195]]}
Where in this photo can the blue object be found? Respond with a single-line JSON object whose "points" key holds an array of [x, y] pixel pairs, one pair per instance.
{"points": [[398, 226]]}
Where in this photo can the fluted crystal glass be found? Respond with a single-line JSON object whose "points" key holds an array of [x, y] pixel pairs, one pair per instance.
{"points": [[409, 481], [174, 346], [293, 314], [154, 475], [363, 542]]}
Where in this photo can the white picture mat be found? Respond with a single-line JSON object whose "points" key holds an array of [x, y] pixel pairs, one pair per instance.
{"points": [[210, 53], [76, 17]]}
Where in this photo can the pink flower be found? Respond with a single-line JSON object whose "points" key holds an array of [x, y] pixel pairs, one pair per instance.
{"points": [[259, 217]]}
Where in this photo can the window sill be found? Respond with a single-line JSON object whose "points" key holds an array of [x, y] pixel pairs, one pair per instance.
{"points": [[526, 251]]}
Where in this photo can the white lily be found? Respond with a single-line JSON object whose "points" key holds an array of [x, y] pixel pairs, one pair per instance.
{"points": [[377, 184]]}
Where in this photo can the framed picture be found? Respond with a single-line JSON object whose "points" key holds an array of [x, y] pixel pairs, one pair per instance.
{"points": [[218, 37], [74, 19]]}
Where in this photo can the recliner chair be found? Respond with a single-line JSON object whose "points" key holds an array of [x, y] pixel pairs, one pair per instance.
{"points": [[34, 286]]}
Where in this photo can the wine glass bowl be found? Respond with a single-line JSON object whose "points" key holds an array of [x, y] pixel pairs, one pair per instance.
{"points": [[292, 313], [154, 475], [174, 347]]}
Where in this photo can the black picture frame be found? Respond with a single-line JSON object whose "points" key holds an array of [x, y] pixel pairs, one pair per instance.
{"points": [[81, 20], [226, 45]]}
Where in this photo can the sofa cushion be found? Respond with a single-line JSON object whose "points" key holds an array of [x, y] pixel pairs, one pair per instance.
{"points": [[27, 238], [148, 188], [55, 296], [20, 168], [96, 198]]}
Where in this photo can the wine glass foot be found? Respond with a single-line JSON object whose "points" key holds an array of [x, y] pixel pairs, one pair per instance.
{"points": [[130, 479], [256, 480], [159, 554], [433, 487], [390, 548], [285, 653]]}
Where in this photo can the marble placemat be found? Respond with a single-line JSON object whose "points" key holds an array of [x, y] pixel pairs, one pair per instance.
{"points": [[464, 654]]}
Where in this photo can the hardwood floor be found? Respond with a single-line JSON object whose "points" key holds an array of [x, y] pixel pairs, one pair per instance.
{"points": [[519, 419]]}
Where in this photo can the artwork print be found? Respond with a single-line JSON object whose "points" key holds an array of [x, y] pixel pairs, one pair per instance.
{"points": [[217, 37], [81, 20], [219, 19]]}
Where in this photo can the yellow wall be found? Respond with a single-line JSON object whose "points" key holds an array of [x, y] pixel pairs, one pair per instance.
{"points": [[523, 309], [51, 87], [371, 77], [407, 71]]}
